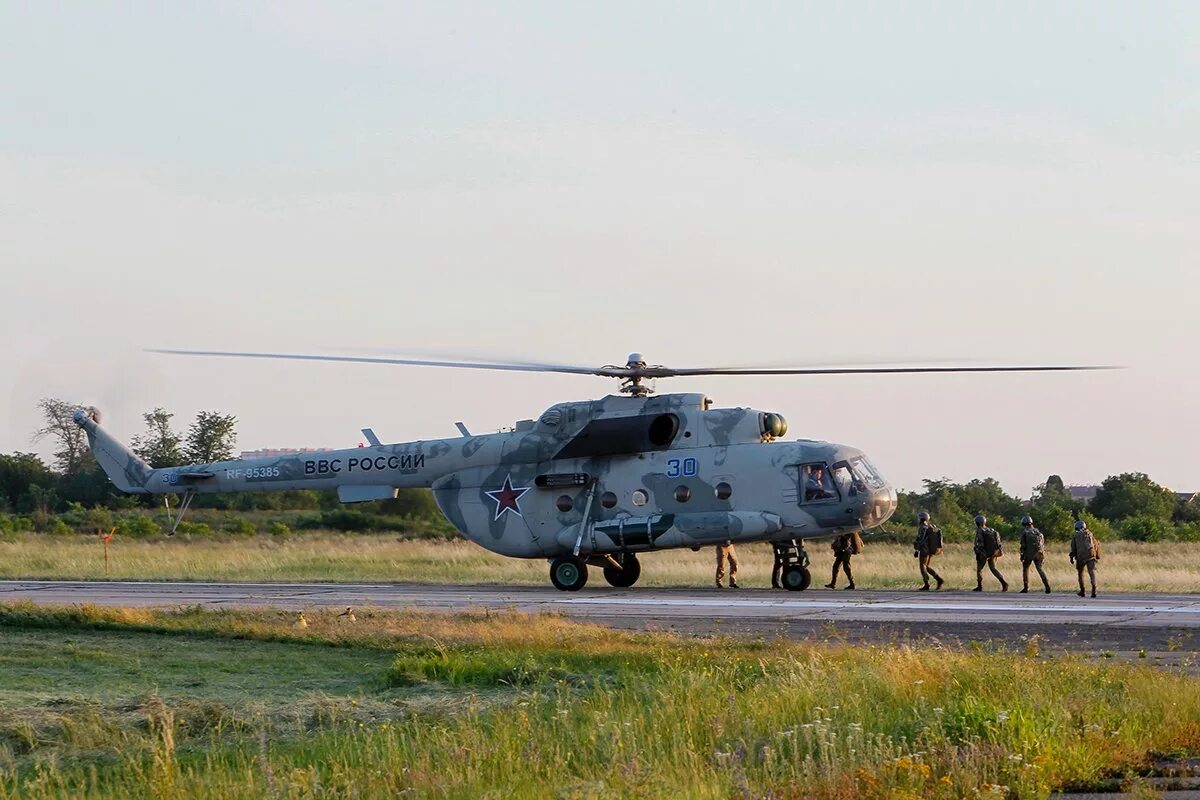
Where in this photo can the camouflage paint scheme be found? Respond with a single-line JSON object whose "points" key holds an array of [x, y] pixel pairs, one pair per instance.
{"points": [[487, 485]]}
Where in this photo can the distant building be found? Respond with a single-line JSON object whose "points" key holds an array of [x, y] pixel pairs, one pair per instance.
{"points": [[1188, 497], [276, 452], [1083, 493]]}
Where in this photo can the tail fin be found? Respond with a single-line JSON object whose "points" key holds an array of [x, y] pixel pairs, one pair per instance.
{"points": [[127, 472]]}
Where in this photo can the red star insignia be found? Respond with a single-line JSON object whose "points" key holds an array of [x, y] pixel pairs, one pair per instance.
{"points": [[507, 498]]}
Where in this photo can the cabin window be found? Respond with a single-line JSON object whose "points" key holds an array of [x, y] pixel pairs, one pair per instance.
{"points": [[564, 503], [816, 484], [682, 494], [723, 491], [608, 500], [640, 497]]}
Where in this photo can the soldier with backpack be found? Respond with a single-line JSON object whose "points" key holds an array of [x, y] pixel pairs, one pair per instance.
{"points": [[927, 545], [1033, 552], [844, 547], [987, 550], [1085, 552]]}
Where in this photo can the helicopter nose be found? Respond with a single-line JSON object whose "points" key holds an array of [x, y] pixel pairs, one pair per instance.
{"points": [[880, 506]]}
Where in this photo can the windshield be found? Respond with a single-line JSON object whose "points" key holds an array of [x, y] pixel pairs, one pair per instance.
{"points": [[866, 473]]}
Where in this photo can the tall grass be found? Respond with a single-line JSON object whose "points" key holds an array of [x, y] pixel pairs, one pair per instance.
{"points": [[551, 708], [1126, 566]]}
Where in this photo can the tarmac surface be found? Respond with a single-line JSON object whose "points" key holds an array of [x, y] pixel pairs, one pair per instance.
{"points": [[1163, 629], [605, 604]]}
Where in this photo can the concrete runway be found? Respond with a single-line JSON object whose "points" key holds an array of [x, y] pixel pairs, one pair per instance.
{"points": [[1163, 630], [606, 604]]}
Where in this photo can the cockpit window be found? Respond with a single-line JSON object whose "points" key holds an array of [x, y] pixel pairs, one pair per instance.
{"points": [[816, 484], [846, 482], [865, 472]]}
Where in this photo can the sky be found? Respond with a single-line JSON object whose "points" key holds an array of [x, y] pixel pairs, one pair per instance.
{"points": [[707, 184]]}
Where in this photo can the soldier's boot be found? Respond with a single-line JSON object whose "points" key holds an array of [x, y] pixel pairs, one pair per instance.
{"points": [[978, 588], [733, 584], [830, 586], [848, 587], [1003, 586], [1025, 590], [924, 588], [1047, 588], [940, 583]]}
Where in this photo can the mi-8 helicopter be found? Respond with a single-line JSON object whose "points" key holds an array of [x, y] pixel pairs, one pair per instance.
{"points": [[589, 483]]}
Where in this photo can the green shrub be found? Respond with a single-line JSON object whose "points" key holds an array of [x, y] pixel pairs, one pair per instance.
{"points": [[138, 525], [278, 528], [194, 529], [1145, 528]]}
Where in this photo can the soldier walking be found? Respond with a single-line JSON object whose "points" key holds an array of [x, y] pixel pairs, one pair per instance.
{"points": [[1085, 552], [1033, 551], [843, 548], [987, 550], [927, 545], [725, 552]]}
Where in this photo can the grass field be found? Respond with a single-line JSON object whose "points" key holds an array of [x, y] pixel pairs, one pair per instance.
{"points": [[1126, 566], [192, 704]]}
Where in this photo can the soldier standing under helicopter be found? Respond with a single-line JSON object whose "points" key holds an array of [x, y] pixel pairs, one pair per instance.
{"points": [[1033, 551], [1085, 552], [927, 545], [725, 552], [987, 550], [844, 547]]}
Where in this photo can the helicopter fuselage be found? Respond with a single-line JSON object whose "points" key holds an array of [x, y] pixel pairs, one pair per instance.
{"points": [[586, 479]]}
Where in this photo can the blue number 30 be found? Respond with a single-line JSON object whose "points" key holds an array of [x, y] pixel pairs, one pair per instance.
{"points": [[681, 468]]}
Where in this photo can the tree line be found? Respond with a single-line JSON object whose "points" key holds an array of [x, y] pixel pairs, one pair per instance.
{"points": [[1126, 506]]}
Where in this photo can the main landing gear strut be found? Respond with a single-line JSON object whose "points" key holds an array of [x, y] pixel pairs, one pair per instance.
{"points": [[570, 573]]}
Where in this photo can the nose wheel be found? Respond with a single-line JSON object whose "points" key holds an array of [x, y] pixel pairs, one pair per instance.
{"points": [[795, 576], [568, 573]]}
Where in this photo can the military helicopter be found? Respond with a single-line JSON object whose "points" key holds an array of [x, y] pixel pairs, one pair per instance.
{"points": [[589, 483]]}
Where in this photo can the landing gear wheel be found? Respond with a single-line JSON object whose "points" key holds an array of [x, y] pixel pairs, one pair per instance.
{"points": [[568, 574], [796, 578], [627, 575]]}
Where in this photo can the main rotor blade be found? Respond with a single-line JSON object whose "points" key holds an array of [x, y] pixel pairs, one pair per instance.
{"points": [[666, 372], [570, 369]]}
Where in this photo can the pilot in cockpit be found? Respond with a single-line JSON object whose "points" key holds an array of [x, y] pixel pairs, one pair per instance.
{"points": [[814, 485]]}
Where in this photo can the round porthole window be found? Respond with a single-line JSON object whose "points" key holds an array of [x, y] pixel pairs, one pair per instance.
{"points": [[640, 498], [723, 491], [564, 503], [682, 494], [608, 500]]}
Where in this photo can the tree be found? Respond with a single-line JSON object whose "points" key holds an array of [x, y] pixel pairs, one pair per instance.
{"points": [[60, 426], [20, 472], [211, 438], [160, 446], [1132, 494]]}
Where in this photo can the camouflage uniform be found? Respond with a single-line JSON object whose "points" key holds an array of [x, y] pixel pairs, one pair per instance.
{"points": [[1085, 552], [843, 549], [1033, 552], [987, 550], [926, 548], [725, 552]]}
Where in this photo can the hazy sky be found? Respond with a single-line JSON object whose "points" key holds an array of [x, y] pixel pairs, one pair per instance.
{"points": [[706, 184]]}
